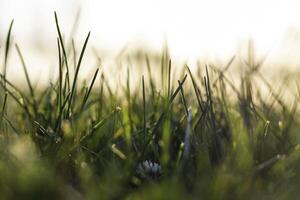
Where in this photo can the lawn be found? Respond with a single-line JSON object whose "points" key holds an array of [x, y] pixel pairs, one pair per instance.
{"points": [[194, 134]]}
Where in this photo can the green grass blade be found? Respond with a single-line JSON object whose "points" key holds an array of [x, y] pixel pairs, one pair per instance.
{"points": [[7, 47], [86, 96], [63, 49], [77, 72], [25, 71]]}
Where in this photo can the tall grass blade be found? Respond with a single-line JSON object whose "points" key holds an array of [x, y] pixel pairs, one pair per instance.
{"points": [[7, 47], [77, 72], [63, 49], [86, 96], [25, 71]]}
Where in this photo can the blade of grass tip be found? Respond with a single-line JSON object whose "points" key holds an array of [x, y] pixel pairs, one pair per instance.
{"points": [[25, 71], [196, 90], [144, 105], [86, 96], [77, 71], [7, 47], [63, 49]]}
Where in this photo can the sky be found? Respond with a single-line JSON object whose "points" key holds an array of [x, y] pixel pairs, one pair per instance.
{"points": [[192, 28]]}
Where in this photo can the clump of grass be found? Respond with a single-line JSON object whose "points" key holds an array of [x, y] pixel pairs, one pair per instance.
{"points": [[209, 137]]}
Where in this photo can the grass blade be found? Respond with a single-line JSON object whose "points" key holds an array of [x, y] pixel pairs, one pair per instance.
{"points": [[86, 96], [25, 71], [77, 71], [7, 47], [63, 49]]}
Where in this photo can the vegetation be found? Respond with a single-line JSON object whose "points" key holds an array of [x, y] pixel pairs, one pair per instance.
{"points": [[198, 137]]}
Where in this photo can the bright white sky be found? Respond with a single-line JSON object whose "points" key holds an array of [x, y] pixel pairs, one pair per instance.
{"points": [[191, 27]]}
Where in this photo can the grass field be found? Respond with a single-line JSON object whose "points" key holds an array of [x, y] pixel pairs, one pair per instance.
{"points": [[198, 136]]}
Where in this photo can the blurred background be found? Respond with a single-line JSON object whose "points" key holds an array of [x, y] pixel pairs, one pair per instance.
{"points": [[193, 29]]}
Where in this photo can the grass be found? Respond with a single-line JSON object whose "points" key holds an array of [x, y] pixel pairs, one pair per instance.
{"points": [[214, 139]]}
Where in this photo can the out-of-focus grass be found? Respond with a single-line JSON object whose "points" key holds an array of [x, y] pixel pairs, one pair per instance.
{"points": [[213, 139]]}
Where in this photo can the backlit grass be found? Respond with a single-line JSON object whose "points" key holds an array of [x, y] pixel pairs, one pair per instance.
{"points": [[198, 136]]}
